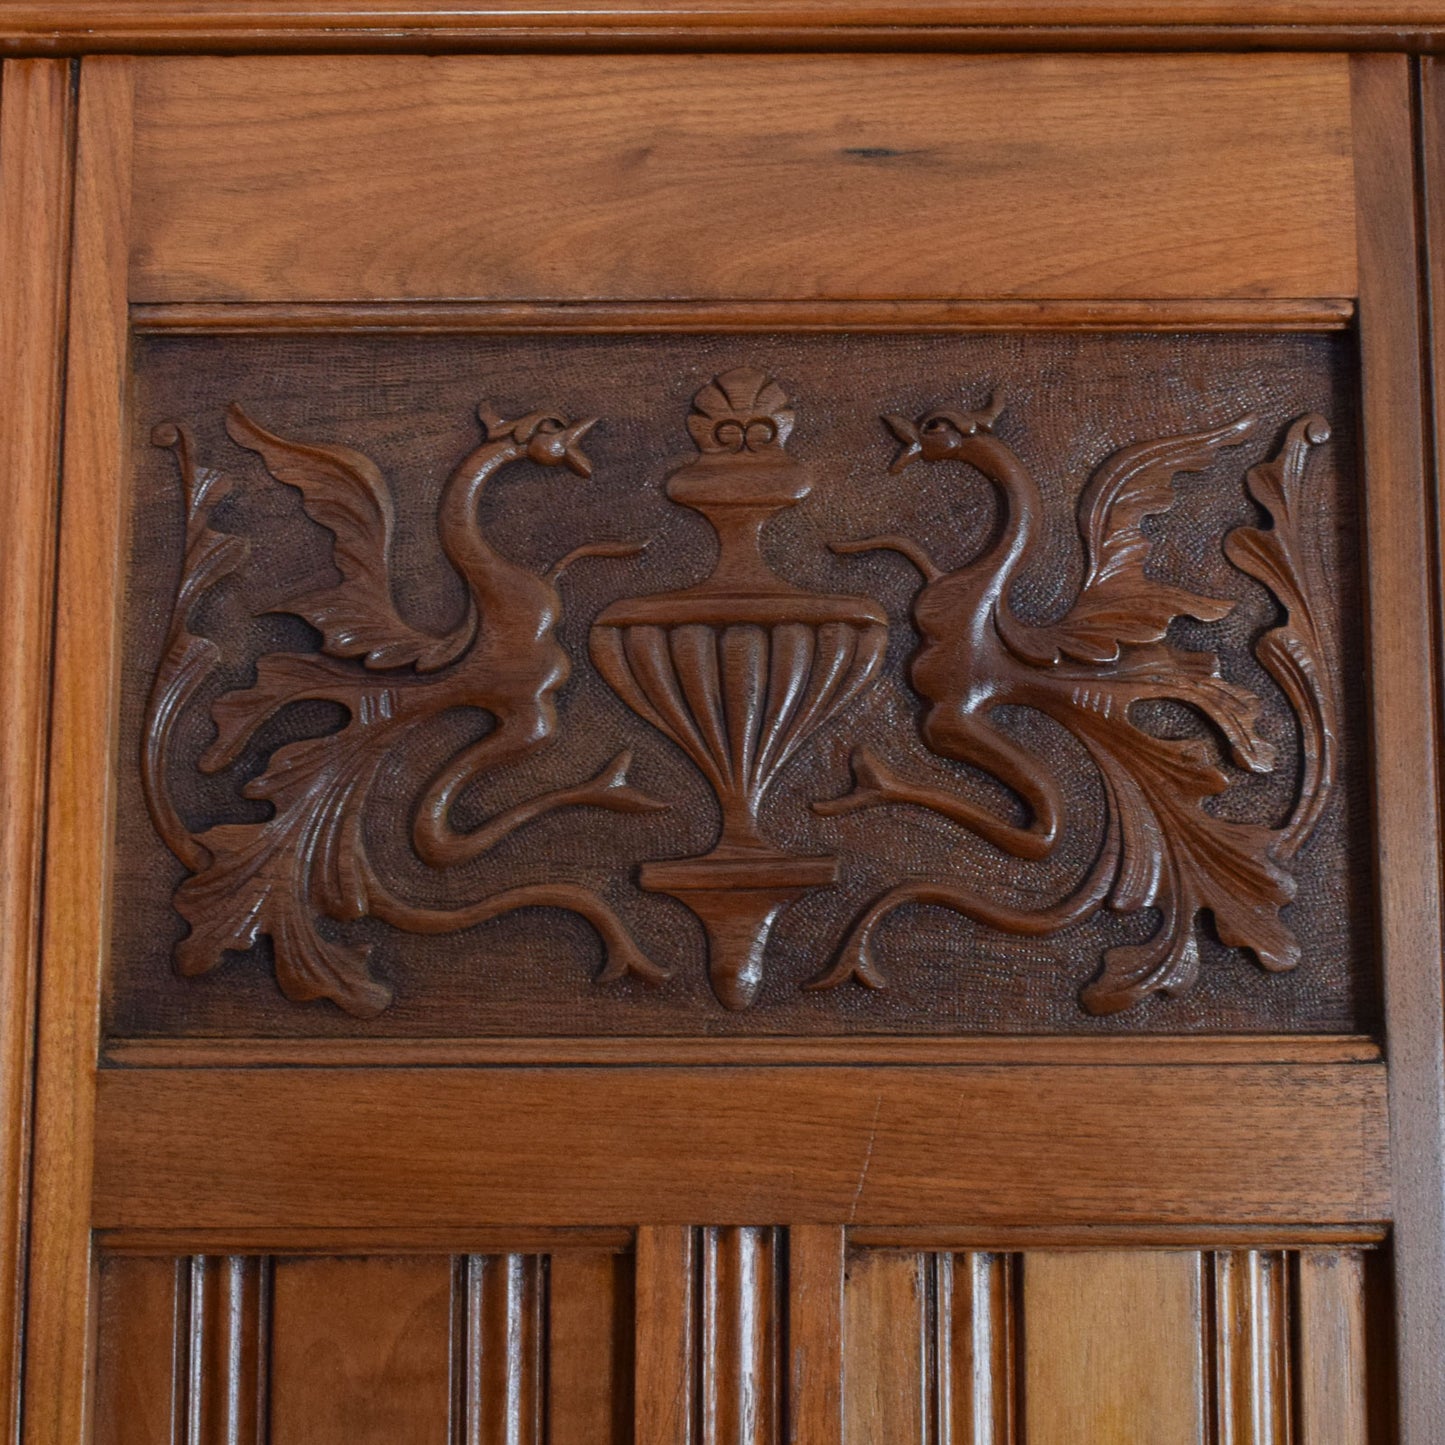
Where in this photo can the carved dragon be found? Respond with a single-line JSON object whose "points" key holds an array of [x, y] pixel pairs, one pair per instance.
{"points": [[309, 857], [1160, 848]]}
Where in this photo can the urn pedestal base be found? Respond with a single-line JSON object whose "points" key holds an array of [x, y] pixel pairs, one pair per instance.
{"points": [[738, 894]]}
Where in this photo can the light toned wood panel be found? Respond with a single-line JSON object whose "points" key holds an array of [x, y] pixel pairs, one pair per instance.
{"points": [[239, 318], [665, 1337], [1401, 612], [816, 1255], [977, 1349], [141, 1354], [1113, 1348], [36, 138], [1252, 1364], [887, 1363], [1118, 1049], [387, 1148], [589, 1353], [1331, 1363], [742, 176], [80, 797], [360, 1351]]}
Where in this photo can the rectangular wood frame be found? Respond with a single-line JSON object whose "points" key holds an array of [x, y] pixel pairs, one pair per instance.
{"points": [[1359, 1141]]}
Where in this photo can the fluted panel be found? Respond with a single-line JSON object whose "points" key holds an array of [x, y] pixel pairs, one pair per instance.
{"points": [[741, 1337], [1252, 1349]]}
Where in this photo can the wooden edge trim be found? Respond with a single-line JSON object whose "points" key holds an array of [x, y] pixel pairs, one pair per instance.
{"points": [[623, 317], [156, 30], [80, 799], [1013, 1239], [37, 134], [1403, 652], [983, 1145], [280, 1239], [1022, 1050]]}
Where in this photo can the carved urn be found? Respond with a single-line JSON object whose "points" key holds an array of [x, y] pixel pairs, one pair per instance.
{"points": [[739, 671]]}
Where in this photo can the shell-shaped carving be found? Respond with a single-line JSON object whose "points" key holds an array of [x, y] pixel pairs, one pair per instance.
{"points": [[743, 410]]}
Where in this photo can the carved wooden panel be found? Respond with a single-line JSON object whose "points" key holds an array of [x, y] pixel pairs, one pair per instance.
{"points": [[701, 684]]}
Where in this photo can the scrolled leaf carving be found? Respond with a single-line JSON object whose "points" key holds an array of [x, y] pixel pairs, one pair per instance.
{"points": [[1162, 849], [308, 860]]}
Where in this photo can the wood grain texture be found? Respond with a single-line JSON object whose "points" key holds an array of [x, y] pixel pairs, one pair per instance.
{"points": [[1251, 1347], [1113, 1348], [502, 1301], [1331, 1361], [815, 1334], [1402, 612], [665, 1341], [912, 153], [36, 140], [1119, 1050], [394, 1147], [360, 1352], [141, 1355], [740, 1340], [977, 1352], [80, 798], [228, 1351], [589, 1347], [81, 25], [238, 318], [887, 1359]]}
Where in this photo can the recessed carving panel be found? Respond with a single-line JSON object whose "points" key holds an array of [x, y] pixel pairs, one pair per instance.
{"points": [[742, 684]]}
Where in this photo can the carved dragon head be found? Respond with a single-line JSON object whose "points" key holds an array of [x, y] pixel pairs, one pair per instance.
{"points": [[548, 440], [941, 434]]}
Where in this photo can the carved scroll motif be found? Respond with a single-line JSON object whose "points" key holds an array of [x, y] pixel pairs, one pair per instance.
{"points": [[739, 671]]}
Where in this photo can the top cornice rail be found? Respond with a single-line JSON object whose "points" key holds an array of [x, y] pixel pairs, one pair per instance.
{"points": [[82, 26]]}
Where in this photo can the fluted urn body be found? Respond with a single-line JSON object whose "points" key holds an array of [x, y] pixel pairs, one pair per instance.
{"points": [[739, 671]]}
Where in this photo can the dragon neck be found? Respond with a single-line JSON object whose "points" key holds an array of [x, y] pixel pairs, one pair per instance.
{"points": [[486, 572], [1021, 505]]}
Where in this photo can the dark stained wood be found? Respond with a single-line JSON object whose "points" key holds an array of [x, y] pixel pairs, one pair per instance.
{"points": [[36, 138], [389, 1148], [1402, 611], [733, 682], [360, 1351], [741, 1336], [1119, 159]]}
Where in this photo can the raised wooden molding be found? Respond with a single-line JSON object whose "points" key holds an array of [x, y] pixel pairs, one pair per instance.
{"points": [[80, 26], [239, 318]]}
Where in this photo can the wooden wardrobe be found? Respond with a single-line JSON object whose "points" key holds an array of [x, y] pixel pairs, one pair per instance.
{"points": [[720, 722]]}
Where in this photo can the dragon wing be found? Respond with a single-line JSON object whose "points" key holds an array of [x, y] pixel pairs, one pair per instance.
{"points": [[343, 491], [1119, 604]]}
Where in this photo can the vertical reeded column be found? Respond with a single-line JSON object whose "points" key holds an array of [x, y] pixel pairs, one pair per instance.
{"points": [[741, 1337], [1252, 1347], [975, 1320], [228, 1353], [504, 1305]]}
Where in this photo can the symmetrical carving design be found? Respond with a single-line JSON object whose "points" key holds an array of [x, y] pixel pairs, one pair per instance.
{"points": [[740, 670], [1161, 848]]}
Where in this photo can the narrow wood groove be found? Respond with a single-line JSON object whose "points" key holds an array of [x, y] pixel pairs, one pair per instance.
{"points": [[741, 316], [1117, 1050]]}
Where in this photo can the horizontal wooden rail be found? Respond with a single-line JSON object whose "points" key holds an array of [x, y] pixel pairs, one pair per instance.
{"points": [[385, 1148]]}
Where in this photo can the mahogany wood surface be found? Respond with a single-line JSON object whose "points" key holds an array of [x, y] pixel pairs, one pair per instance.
{"points": [[1403, 610], [36, 139], [352, 1148], [58, 1332], [692, 1238], [847, 177]]}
